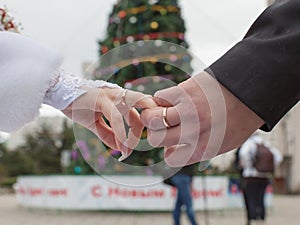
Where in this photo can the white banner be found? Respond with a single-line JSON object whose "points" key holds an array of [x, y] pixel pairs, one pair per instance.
{"points": [[96, 193]]}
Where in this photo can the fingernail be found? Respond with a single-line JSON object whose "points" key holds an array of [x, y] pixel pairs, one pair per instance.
{"points": [[123, 157], [125, 151]]}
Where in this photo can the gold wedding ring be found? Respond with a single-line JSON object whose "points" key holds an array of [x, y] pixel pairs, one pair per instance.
{"points": [[164, 118], [123, 97]]}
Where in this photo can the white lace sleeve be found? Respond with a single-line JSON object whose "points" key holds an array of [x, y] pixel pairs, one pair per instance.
{"points": [[65, 88]]}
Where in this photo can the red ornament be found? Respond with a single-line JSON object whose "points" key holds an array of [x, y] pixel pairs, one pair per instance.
{"points": [[104, 49], [122, 14]]}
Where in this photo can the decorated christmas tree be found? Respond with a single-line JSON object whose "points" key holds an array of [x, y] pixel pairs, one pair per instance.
{"points": [[130, 24]]}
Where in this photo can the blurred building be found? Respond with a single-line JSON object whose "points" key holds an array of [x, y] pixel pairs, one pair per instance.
{"points": [[286, 137]]}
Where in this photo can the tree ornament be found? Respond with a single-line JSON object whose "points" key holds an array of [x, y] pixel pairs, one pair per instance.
{"points": [[152, 2], [116, 43], [186, 58], [140, 88], [133, 19], [130, 39], [158, 43], [163, 12], [122, 14], [154, 25], [173, 48], [168, 68], [104, 49], [77, 170], [181, 36], [173, 58]]}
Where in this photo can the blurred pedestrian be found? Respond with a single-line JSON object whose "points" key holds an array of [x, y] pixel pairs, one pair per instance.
{"points": [[182, 180], [254, 178]]}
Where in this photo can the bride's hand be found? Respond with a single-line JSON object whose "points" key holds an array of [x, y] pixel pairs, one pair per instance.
{"points": [[90, 109]]}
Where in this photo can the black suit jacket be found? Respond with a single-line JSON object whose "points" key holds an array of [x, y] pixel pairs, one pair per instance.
{"points": [[263, 70]]}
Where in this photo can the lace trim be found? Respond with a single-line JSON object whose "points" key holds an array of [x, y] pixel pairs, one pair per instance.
{"points": [[65, 88], [70, 83]]}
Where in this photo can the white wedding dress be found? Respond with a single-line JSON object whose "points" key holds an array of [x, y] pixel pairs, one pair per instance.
{"points": [[30, 75]]}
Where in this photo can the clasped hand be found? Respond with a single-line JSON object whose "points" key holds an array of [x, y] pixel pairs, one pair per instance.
{"points": [[193, 121]]}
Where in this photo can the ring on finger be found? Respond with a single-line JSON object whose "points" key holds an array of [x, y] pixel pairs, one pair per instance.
{"points": [[164, 118]]}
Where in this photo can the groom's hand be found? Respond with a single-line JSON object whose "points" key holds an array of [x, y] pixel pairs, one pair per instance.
{"points": [[202, 119]]}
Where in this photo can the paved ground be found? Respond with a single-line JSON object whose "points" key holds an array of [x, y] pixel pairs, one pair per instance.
{"points": [[286, 211]]}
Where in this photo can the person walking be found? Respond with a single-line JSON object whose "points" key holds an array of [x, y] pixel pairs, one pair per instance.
{"points": [[182, 180], [253, 180]]}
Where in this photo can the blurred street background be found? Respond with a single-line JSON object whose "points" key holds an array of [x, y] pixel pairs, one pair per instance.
{"points": [[285, 211]]}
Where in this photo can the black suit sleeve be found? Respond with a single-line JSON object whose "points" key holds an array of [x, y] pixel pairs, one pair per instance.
{"points": [[263, 70]]}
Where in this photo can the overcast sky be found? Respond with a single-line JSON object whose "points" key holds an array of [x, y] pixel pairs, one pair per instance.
{"points": [[73, 26]]}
